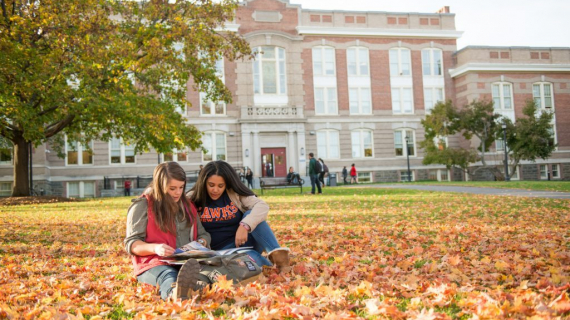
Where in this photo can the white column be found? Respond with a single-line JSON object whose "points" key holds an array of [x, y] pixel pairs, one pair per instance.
{"points": [[302, 159], [291, 151]]}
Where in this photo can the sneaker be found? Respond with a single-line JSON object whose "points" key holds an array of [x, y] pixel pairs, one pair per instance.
{"points": [[188, 278]]}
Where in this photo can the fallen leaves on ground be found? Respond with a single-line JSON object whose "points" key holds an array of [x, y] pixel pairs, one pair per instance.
{"points": [[356, 254]]}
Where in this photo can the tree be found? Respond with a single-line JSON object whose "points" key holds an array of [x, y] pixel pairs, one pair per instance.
{"points": [[444, 121], [531, 136], [95, 69]]}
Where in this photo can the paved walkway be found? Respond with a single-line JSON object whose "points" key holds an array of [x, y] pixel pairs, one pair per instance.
{"points": [[476, 190]]}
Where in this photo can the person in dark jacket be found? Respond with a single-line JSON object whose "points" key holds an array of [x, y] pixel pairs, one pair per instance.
{"points": [[314, 175], [344, 174]]}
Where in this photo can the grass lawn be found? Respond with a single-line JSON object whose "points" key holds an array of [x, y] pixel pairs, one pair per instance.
{"points": [[356, 253], [562, 186]]}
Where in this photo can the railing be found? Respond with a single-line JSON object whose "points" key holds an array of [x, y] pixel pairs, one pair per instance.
{"points": [[271, 112]]}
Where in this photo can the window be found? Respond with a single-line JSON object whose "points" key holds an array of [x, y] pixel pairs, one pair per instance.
{"points": [[323, 61], [542, 95], [215, 145], [362, 143], [357, 61], [432, 63], [400, 62], [81, 189], [325, 101], [544, 171], [502, 95], [175, 155], [328, 146], [500, 145], [555, 171], [431, 97], [78, 154], [438, 175], [402, 101], [404, 175], [400, 140], [5, 189], [5, 155], [364, 177], [269, 71], [121, 153], [441, 142], [359, 101], [513, 173], [211, 108]]}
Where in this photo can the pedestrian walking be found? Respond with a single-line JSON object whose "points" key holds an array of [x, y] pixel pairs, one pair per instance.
{"points": [[353, 176], [344, 174], [314, 174]]}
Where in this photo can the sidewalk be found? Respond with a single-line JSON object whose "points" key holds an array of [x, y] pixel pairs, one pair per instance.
{"points": [[476, 190]]}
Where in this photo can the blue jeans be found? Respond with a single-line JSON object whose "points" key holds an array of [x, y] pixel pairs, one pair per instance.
{"points": [[161, 276], [261, 239], [315, 180]]}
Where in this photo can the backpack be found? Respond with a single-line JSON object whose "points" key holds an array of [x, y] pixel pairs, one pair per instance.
{"points": [[238, 267], [326, 169], [318, 167]]}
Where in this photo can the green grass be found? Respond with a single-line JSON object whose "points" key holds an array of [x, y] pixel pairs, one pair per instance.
{"points": [[561, 186]]}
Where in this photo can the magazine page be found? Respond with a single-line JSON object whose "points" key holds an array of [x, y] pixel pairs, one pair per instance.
{"points": [[192, 250]]}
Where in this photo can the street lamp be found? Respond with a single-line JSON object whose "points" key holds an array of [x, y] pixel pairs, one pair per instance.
{"points": [[507, 178], [408, 157]]}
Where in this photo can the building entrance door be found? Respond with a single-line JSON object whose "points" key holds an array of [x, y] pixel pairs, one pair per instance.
{"points": [[273, 162]]}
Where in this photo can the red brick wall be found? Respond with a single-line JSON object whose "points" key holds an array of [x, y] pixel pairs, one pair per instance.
{"points": [[417, 76], [342, 79], [247, 24], [230, 75], [380, 80]]}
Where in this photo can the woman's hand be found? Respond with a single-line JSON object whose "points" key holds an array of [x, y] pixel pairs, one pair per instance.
{"points": [[241, 236], [163, 250]]}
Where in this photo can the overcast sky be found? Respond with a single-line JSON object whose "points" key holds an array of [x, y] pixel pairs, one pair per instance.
{"points": [[544, 23]]}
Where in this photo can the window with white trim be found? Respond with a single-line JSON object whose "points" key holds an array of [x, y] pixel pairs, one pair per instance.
{"points": [[402, 101], [400, 142], [5, 189], [404, 175], [432, 62], [400, 62], [209, 107], [269, 75], [542, 95], [438, 174], [364, 177], [328, 145], [359, 101], [119, 153], [215, 145], [431, 97], [441, 142], [6, 155], [175, 155], [323, 61], [81, 189], [326, 101], [358, 63], [502, 95], [555, 171], [362, 144], [500, 145], [513, 173], [78, 154]]}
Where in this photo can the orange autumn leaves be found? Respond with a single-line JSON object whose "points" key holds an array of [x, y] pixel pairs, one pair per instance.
{"points": [[357, 253]]}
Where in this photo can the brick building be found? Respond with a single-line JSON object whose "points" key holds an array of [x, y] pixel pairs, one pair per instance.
{"points": [[347, 86]]}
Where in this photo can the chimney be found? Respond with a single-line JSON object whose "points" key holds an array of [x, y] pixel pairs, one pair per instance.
{"points": [[443, 10]]}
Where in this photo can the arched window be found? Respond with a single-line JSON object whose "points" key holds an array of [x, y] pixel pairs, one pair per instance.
{"points": [[362, 143], [269, 75], [357, 61], [323, 61], [328, 145], [215, 144], [400, 142], [542, 95], [400, 62], [432, 62], [502, 95]]}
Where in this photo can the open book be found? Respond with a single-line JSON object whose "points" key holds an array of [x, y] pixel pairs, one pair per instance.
{"points": [[195, 250]]}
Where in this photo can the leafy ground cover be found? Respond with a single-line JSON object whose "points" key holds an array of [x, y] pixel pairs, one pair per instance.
{"points": [[357, 253]]}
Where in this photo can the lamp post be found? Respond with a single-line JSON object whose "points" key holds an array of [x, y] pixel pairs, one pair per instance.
{"points": [[408, 158], [507, 178]]}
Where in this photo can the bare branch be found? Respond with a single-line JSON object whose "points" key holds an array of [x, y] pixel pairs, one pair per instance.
{"points": [[55, 128]]}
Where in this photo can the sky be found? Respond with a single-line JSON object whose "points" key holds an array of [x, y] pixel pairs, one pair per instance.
{"points": [[529, 23]]}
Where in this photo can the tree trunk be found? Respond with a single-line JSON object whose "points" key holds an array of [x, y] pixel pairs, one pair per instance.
{"points": [[21, 161]]}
